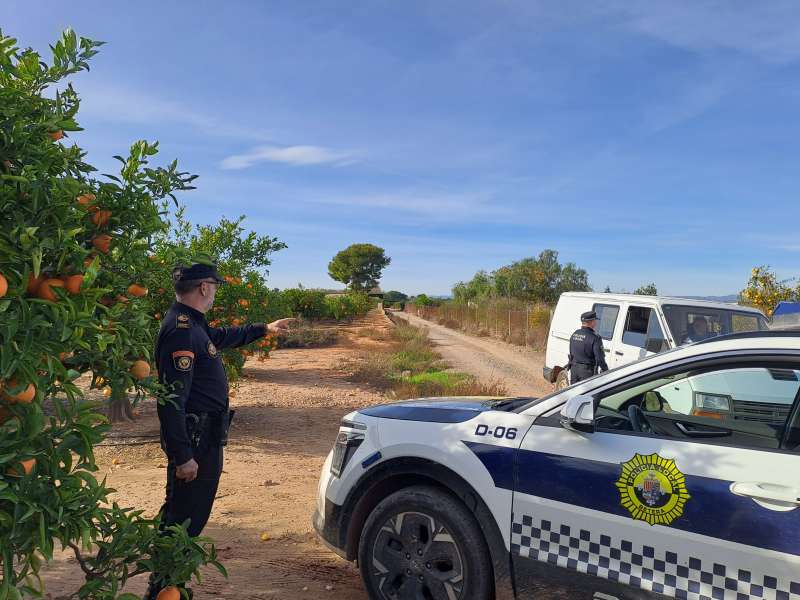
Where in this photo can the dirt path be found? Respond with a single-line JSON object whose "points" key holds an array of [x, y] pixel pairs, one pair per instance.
{"points": [[518, 368]]}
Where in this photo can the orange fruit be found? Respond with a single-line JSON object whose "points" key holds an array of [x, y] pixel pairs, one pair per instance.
{"points": [[237, 322], [27, 466], [169, 593], [62, 356], [122, 299], [101, 217], [56, 135], [243, 303], [26, 396], [107, 392], [152, 257], [86, 200], [157, 316], [102, 242], [45, 290], [34, 283], [250, 286], [3, 285], [160, 290], [140, 369], [137, 290], [73, 284]]}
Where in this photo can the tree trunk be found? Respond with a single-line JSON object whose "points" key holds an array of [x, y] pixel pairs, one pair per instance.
{"points": [[120, 408]]}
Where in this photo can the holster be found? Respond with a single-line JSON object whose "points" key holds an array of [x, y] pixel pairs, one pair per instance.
{"points": [[208, 429]]}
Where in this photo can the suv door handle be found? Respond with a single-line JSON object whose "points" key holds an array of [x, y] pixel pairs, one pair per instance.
{"points": [[786, 497], [618, 353]]}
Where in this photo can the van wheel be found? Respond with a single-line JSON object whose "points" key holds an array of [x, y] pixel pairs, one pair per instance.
{"points": [[422, 544], [562, 381]]}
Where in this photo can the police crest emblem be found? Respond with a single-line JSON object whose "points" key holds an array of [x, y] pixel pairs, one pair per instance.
{"points": [[212, 349], [652, 489], [183, 360]]}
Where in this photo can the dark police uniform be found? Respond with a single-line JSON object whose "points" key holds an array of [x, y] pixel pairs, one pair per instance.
{"points": [[586, 352], [195, 424]]}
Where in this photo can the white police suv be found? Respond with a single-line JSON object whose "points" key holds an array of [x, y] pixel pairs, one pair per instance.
{"points": [[676, 476]]}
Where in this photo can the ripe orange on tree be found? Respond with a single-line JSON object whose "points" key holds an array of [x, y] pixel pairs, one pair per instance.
{"points": [[26, 396], [102, 242], [27, 466], [56, 135], [137, 290], [101, 218], [3, 285], [86, 200], [34, 283], [169, 593], [73, 284], [45, 289], [140, 369]]}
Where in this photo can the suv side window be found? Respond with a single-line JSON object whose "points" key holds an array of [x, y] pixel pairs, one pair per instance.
{"points": [[606, 319], [636, 324], [741, 406]]}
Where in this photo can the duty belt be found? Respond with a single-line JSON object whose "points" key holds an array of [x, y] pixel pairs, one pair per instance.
{"points": [[208, 428]]}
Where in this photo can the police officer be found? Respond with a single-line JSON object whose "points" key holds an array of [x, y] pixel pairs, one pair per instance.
{"points": [[195, 421], [586, 350]]}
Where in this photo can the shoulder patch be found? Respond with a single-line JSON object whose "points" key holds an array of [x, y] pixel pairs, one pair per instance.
{"points": [[183, 360], [183, 321], [212, 349]]}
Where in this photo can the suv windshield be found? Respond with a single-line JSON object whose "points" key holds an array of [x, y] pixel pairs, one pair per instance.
{"points": [[695, 323]]}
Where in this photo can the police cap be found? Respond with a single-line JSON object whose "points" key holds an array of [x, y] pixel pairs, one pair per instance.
{"points": [[195, 272], [589, 315]]}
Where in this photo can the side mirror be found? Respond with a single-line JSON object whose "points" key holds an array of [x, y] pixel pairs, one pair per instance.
{"points": [[655, 345], [578, 414]]}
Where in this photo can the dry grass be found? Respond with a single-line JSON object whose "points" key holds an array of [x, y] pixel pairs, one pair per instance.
{"points": [[308, 337]]}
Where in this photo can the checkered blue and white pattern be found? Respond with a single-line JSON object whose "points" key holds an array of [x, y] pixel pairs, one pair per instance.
{"points": [[675, 575]]}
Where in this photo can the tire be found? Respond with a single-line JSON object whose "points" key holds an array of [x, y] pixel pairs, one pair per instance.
{"points": [[421, 543], [562, 381]]}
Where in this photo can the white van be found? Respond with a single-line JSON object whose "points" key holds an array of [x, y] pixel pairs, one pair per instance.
{"points": [[634, 326]]}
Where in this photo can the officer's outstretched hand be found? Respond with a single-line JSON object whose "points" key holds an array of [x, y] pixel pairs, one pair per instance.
{"points": [[281, 325], [187, 471]]}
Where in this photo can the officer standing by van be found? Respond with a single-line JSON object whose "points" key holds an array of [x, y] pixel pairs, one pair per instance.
{"points": [[196, 418], [586, 353]]}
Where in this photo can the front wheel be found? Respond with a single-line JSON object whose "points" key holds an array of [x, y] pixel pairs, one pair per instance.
{"points": [[422, 544]]}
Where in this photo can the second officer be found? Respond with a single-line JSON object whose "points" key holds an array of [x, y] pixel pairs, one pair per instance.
{"points": [[586, 353]]}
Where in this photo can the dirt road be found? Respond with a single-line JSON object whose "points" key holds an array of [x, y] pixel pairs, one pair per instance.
{"points": [[519, 368]]}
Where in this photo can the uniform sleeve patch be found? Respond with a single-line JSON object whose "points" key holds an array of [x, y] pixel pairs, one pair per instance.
{"points": [[183, 321], [183, 360]]}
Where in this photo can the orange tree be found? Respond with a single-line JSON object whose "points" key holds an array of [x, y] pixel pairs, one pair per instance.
{"points": [[71, 302], [242, 258], [764, 290]]}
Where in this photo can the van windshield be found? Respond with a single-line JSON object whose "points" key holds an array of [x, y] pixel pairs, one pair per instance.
{"points": [[695, 323]]}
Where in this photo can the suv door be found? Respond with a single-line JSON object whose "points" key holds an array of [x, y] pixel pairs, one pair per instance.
{"points": [[688, 487]]}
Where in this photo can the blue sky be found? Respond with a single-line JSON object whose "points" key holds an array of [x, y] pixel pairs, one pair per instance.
{"points": [[643, 141]]}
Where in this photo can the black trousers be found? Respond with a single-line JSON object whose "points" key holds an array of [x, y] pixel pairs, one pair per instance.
{"points": [[579, 372], [193, 500]]}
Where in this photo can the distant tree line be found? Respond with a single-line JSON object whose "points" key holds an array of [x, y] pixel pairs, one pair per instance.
{"points": [[539, 279]]}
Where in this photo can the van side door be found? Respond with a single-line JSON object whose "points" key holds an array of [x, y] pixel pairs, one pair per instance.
{"points": [[641, 334], [608, 315]]}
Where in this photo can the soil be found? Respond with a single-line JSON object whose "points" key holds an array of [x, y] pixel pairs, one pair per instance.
{"points": [[288, 410]]}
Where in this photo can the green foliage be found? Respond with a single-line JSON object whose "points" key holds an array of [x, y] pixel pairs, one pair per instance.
{"points": [[423, 300], [309, 304], [48, 342], [540, 279], [764, 290], [359, 266], [393, 297], [647, 290]]}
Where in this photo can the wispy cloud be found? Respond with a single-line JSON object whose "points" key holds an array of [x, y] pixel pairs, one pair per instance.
{"points": [[289, 155]]}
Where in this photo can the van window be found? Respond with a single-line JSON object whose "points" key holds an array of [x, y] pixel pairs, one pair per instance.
{"points": [[636, 324], [606, 319], [656, 340]]}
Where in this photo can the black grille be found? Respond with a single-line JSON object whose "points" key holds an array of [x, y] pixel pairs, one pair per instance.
{"points": [[761, 412]]}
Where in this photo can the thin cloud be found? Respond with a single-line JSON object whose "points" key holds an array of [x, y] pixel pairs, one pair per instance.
{"points": [[289, 155]]}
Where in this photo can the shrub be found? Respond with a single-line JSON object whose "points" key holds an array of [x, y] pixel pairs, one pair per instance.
{"points": [[309, 304]]}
